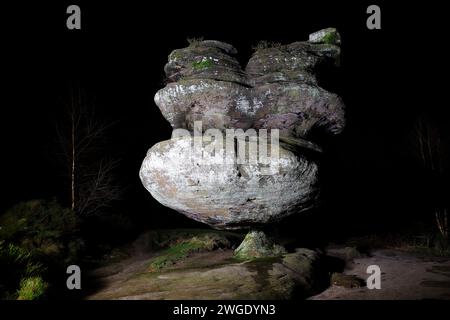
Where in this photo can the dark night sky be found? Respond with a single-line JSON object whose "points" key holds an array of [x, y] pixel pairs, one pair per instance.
{"points": [[118, 58]]}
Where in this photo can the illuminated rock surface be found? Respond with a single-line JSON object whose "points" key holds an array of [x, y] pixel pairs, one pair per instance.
{"points": [[278, 89], [210, 273], [230, 195]]}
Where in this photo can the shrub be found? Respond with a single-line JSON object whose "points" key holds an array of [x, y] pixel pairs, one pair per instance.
{"points": [[15, 264], [32, 288], [181, 248], [41, 228], [194, 41], [38, 239]]}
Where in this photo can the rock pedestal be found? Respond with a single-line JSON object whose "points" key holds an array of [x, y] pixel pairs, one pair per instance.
{"points": [[257, 245]]}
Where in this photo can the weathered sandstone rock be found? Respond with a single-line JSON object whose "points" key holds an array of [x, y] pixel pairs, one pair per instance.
{"points": [[228, 195], [277, 90]]}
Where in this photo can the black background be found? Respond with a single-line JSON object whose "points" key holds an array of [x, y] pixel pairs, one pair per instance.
{"points": [[371, 180]]}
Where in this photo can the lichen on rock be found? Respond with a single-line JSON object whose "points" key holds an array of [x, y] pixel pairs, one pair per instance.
{"points": [[256, 244], [328, 35]]}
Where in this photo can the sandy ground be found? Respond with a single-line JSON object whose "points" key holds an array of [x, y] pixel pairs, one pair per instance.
{"points": [[404, 276]]}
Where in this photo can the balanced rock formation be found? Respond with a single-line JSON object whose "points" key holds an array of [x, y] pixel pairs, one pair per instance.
{"points": [[277, 90]]}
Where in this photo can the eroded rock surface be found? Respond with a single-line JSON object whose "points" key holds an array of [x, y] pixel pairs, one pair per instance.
{"points": [[228, 195], [277, 90], [294, 275]]}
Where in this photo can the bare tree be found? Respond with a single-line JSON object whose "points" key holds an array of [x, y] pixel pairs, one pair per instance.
{"points": [[90, 173], [429, 145], [430, 148]]}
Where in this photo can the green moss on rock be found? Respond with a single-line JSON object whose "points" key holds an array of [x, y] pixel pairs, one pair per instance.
{"points": [[165, 238], [330, 38], [327, 36], [205, 63], [180, 249]]}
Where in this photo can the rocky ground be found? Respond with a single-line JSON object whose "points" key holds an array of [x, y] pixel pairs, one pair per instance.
{"points": [[212, 272], [203, 266]]}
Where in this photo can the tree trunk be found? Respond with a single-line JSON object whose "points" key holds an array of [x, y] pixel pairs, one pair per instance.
{"points": [[72, 177]]}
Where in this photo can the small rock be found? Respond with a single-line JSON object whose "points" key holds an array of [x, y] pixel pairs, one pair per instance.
{"points": [[346, 280], [328, 36], [352, 253], [257, 245]]}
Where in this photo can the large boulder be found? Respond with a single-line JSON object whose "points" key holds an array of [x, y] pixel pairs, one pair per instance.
{"points": [[228, 194]]}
